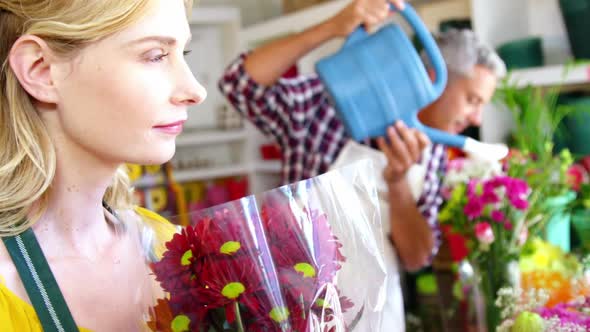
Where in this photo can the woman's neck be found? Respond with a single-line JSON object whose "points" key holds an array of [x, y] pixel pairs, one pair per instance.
{"points": [[74, 222]]}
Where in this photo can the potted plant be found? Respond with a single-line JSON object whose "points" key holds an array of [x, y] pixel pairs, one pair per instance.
{"points": [[537, 116]]}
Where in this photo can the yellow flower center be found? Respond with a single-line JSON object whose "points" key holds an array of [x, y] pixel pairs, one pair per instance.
{"points": [[186, 258], [279, 314], [306, 269], [230, 247], [322, 303], [233, 290], [180, 323]]}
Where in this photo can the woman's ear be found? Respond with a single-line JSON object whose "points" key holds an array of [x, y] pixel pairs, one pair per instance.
{"points": [[31, 59]]}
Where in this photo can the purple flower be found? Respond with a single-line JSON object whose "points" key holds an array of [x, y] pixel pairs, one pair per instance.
{"points": [[567, 314]]}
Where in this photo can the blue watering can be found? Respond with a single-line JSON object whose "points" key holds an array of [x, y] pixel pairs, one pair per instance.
{"points": [[375, 80]]}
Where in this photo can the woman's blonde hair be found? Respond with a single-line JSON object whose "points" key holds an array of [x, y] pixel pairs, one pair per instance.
{"points": [[27, 155]]}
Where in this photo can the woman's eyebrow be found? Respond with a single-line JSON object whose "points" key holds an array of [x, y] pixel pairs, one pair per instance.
{"points": [[165, 40]]}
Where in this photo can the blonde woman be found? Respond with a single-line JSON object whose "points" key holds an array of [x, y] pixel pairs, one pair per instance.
{"points": [[85, 86]]}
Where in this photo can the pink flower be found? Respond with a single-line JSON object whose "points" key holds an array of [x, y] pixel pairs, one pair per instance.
{"points": [[496, 182], [520, 204], [498, 216], [456, 164], [489, 195], [517, 191], [484, 233], [473, 208]]}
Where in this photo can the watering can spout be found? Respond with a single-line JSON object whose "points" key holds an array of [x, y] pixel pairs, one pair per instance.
{"points": [[475, 148]]}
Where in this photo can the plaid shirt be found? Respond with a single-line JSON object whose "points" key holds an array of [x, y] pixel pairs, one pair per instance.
{"points": [[298, 114]]}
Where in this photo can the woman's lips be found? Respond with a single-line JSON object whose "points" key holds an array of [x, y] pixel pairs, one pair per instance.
{"points": [[174, 128]]}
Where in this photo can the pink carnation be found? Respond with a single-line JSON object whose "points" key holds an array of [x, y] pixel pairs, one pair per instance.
{"points": [[484, 233]]}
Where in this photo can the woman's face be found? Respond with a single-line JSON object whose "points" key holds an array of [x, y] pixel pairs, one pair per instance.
{"points": [[125, 98]]}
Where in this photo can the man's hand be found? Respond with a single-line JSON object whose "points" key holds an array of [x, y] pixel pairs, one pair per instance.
{"points": [[403, 150], [370, 13]]}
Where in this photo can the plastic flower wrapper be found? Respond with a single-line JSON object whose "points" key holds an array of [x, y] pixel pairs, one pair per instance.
{"points": [[302, 257]]}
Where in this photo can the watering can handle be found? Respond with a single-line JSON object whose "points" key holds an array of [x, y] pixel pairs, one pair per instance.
{"points": [[436, 59]]}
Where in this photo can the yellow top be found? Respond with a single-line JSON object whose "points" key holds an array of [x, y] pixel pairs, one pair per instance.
{"points": [[18, 315]]}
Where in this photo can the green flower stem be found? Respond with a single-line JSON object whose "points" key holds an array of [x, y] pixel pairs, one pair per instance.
{"points": [[238, 317]]}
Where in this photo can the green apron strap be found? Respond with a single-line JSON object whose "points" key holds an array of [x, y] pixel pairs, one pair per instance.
{"points": [[40, 283]]}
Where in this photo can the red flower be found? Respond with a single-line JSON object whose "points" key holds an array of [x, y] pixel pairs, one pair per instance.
{"points": [[576, 175], [264, 315], [226, 281], [175, 271], [457, 244], [304, 243], [294, 316], [223, 234]]}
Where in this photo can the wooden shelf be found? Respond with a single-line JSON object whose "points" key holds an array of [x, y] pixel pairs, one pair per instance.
{"points": [[268, 166], [210, 137]]}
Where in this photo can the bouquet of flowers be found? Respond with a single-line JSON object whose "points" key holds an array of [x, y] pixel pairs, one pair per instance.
{"points": [[303, 257], [486, 208]]}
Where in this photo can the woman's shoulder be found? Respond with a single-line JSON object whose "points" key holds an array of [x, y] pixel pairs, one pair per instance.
{"points": [[15, 313]]}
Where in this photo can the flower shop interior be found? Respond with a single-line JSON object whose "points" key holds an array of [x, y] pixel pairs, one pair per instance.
{"points": [[517, 262]]}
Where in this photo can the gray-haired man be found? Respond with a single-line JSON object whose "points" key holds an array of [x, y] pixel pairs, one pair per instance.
{"points": [[298, 114], [473, 72]]}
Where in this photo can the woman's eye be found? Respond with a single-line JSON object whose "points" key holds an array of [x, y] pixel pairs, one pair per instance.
{"points": [[187, 52], [159, 57]]}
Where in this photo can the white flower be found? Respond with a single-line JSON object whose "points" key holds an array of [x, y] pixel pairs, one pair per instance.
{"points": [[463, 170]]}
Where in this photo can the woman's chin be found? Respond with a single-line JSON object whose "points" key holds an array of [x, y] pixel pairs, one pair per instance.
{"points": [[155, 157]]}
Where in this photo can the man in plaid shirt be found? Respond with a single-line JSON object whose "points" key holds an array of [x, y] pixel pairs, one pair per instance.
{"points": [[299, 115]]}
